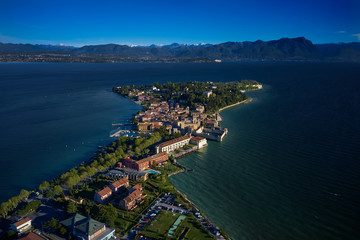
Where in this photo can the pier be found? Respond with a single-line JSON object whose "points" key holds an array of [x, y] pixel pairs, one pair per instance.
{"points": [[122, 124], [117, 133]]}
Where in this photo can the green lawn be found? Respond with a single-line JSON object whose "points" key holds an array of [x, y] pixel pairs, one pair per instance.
{"points": [[122, 225], [160, 228], [165, 219], [168, 168], [197, 231]]}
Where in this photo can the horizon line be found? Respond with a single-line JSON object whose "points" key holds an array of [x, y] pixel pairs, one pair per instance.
{"points": [[160, 45]]}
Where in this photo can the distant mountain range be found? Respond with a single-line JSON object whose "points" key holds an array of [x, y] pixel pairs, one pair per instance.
{"points": [[284, 49]]}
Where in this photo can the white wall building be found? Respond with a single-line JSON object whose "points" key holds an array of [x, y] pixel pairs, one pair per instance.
{"points": [[173, 144], [200, 142], [22, 225]]}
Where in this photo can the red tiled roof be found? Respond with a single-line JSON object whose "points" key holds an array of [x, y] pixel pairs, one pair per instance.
{"points": [[120, 182], [198, 138], [134, 195], [211, 121], [32, 236], [127, 158], [21, 222], [179, 139], [137, 186], [152, 157], [105, 191]]}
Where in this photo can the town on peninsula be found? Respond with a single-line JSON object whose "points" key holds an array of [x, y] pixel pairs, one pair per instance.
{"points": [[123, 191]]}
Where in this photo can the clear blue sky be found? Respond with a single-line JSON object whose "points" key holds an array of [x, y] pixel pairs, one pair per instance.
{"points": [[162, 22]]}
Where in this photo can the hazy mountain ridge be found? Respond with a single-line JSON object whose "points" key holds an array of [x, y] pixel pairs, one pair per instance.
{"points": [[283, 49]]}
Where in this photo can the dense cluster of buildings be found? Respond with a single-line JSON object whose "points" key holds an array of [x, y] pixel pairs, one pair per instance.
{"points": [[114, 187], [133, 198], [168, 114]]}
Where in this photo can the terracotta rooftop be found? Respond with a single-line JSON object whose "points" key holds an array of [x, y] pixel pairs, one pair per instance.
{"points": [[211, 121], [198, 138], [105, 191], [179, 139], [120, 182], [32, 236], [137, 186], [127, 158], [151, 157], [134, 195], [21, 222]]}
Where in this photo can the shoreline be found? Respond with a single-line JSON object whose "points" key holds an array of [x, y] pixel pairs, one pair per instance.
{"points": [[232, 105], [235, 104]]}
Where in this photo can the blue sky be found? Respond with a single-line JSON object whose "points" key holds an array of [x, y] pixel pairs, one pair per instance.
{"points": [[162, 22]]}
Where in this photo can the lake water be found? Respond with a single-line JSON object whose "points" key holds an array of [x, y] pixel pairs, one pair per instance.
{"points": [[288, 169]]}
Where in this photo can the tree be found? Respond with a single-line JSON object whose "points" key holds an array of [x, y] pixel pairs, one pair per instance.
{"points": [[171, 159], [72, 180], [137, 150], [163, 131], [4, 209], [43, 186], [71, 208], [57, 189], [107, 214], [29, 207], [24, 194], [55, 226], [54, 191]]}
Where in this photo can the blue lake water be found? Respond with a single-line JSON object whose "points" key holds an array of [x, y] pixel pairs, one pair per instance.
{"points": [[288, 169]]}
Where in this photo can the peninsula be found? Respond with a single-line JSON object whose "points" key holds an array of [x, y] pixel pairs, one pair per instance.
{"points": [[123, 190], [187, 107]]}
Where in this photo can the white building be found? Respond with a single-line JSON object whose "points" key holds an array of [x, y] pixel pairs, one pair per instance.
{"points": [[173, 144], [22, 225], [200, 142], [208, 93]]}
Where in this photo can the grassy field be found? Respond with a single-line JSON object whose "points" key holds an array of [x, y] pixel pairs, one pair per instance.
{"points": [[197, 231], [159, 228]]}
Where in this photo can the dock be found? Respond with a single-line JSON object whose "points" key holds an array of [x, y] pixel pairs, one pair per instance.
{"points": [[117, 133], [122, 124]]}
